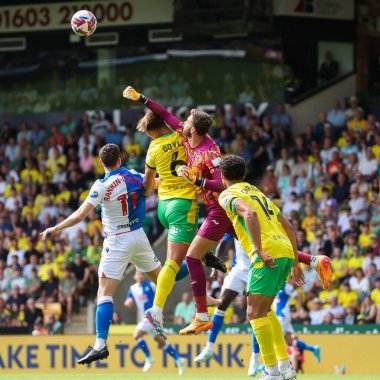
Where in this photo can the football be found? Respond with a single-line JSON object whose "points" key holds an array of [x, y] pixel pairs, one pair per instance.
{"points": [[83, 23]]}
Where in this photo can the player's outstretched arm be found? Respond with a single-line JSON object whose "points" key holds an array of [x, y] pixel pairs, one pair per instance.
{"points": [[70, 221], [131, 94], [249, 215]]}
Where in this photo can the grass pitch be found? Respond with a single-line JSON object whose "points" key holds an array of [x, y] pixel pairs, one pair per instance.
{"points": [[171, 376]]}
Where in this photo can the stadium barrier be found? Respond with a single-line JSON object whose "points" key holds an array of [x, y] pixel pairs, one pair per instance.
{"points": [[47, 354]]}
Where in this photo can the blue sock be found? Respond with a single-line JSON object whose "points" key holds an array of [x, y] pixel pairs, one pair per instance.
{"points": [[255, 345], [171, 351], [302, 346], [142, 344], [217, 320], [183, 272], [104, 314]]}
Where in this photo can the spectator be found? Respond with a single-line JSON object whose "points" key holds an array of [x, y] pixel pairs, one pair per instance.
{"points": [[49, 288], [336, 116], [368, 312], [269, 183], [67, 292], [318, 313], [54, 326], [185, 310], [336, 310], [81, 271], [357, 123], [329, 68], [347, 296], [353, 107], [240, 309], [32, 313], [284, 160], [114, 136], [358, 205], [360, 284], [368, 164]]}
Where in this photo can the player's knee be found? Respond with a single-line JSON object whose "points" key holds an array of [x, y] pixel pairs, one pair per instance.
{"points": [[255, 313]]}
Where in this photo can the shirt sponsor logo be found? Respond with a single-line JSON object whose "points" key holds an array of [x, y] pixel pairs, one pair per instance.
{"points": [[216, 161]]}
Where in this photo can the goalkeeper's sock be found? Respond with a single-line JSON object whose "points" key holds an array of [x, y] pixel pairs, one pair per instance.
{"points": [[143, 345], [104, 313], [168, 348], [165, 282], [183, 272], [217, 323], [198, 285], [278, 337], [302, 346], [255, 345]]}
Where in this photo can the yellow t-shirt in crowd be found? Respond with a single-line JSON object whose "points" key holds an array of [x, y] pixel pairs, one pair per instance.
{"points": [[355, 262], [42, 273], [338, 266], [375, 296], [347, 299]]}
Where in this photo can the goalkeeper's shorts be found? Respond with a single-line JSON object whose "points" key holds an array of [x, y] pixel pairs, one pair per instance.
{"points": [[180, 217]]}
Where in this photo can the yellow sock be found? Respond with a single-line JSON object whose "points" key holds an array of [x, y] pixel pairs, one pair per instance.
{"points": [[278, 337], [165, 282], [264, 335]]}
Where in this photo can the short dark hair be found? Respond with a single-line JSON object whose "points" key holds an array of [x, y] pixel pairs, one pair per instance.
{"points": [[109, 154], [149, 122], [233, 168], [202, 121]]}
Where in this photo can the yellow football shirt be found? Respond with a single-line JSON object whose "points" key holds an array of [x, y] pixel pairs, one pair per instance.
{"points": [[355, 262], [165, 155], [274, 240], [347, 299], [376, 151]]}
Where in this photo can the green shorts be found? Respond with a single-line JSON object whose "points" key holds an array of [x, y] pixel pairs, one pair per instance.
{"points": [[268, 281], [180, 217]]}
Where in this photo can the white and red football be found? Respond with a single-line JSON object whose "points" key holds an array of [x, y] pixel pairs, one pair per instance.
{"points": [[83, 23]]}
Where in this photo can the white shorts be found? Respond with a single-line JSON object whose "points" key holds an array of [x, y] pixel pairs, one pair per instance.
{"points": [[236, 280], [120, 250], [286, 325], [147, 328]]}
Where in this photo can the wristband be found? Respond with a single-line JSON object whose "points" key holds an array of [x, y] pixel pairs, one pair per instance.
{"points": [[143, 99], [200, 182]]}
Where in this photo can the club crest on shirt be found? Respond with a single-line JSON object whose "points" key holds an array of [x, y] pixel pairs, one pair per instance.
{"points": [[94, 194]]}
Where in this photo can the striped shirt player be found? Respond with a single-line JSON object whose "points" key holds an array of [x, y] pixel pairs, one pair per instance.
{"points": [[141, 293], [120, 196]]}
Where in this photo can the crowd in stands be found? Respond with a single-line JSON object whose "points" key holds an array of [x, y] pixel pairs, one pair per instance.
{"points": [[45, 174], [325, 179], [170, 88]]}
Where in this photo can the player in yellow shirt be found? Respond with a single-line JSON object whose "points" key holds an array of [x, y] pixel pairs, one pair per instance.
{"points": [[177, 207], [270, 241]]}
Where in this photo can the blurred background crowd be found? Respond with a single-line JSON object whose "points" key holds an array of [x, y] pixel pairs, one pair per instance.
{"points": [[324, 179]]}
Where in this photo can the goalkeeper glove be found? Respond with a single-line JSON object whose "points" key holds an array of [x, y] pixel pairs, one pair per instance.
{"points": [[186, 173], [131, 94]]}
